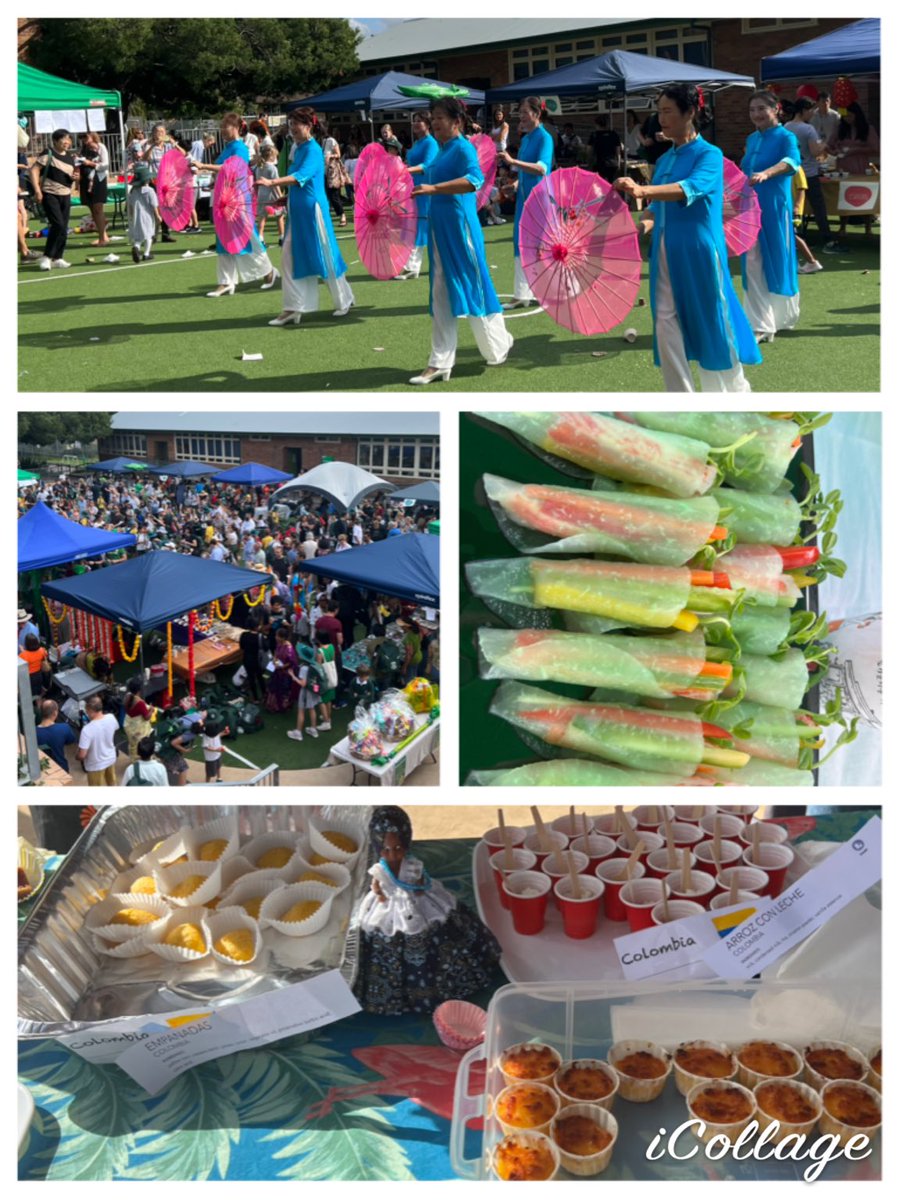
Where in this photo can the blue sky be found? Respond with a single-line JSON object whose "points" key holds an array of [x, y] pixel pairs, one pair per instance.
{"points": [[370, 25]]}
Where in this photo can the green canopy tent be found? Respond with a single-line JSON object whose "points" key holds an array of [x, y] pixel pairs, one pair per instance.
{"points": [[26, 476], [40, 92]]}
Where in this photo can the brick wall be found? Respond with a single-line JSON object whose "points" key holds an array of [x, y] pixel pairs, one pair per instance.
{"points": [[733, 50]]}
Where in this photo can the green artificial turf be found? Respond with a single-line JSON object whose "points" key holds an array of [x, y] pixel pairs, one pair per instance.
{"points": [[151, 327]]}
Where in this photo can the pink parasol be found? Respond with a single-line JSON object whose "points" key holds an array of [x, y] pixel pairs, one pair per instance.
{"points": [[175, 189], [741, 215], [234, 205], [385, 216], [579, 251], [486, 149], [372, 153]]}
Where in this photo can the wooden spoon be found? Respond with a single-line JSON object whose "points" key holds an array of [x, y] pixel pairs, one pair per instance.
{"points": [[573, 877], [685, 870], [544, 840]]}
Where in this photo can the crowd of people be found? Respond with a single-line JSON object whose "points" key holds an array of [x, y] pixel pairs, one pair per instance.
{"points": [[291, 645]]}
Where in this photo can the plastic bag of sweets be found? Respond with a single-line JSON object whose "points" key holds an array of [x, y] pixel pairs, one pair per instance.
{"points": [[646, 666], [647, 529], [420, 694], [578, 772], [645, 739], [759, 465], [364, 737], [617, 449], [393, 716]]}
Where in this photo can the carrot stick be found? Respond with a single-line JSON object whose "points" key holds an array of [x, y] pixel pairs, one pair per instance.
{"points": [[715, 731], [721, 670], [718, 534]]}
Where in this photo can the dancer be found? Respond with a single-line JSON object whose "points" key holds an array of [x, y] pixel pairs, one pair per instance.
{"points": [[696, 313], [422, 154], [252, 262], [310, 250], [460, 281], [769, 268], [534, 161]]}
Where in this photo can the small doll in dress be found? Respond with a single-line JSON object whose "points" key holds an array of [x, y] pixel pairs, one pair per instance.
{"points": [[419, 946]]}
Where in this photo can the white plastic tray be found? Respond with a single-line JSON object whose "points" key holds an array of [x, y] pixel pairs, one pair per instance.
{"points": [[582, 1020]]}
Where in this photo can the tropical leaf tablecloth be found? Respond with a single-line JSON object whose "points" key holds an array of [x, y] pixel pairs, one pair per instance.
{"points": [[368, 1098]]}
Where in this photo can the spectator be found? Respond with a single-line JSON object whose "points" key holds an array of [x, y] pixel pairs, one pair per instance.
{"points": [[26, 626], [213, 732], [94, 183], [569, 145], [52, 178], [634, 142], [34, 654], [857, 141], [811, 149], [145, 771], [138, 715], [825, 120], [96, 745], [54, 735], [606, 146], [654, 140]]}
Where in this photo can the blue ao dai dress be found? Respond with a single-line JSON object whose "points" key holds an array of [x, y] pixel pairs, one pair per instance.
{"points": [[535, 147], [310, 250], [691, 293], [769, 269], [252, 261], [422, 153]]}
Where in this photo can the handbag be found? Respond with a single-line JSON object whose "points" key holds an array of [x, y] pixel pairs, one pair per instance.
{"points": [[329, 670]]}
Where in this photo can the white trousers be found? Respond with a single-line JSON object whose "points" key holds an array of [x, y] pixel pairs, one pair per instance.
{"points": [[521, 289], [415, 260], [766, 311], [491, 335], [302, 295], [676, 369], [244, 267]]}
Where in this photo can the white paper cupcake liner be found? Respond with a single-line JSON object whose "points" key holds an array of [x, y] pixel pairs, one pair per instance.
{"points": [[817, 1081], [750, 1078], [686, 1081], [279, 902], [99, 917], [250, 886], [170, 877], [225, 921], [639, 1091], [256, 848], [787, 1128], [730, 1129], [224, 829], [597, 1064], [335, 871], [526, 1139], [133, 948], [586, 1165], [194, 915], [321, 845], [542, 1087], [158, 852], [125, 881], [234, 869], [529, 1046], [841, 1129]]}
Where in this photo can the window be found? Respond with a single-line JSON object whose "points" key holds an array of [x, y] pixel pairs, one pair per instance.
{"points": [[409, 457], [328, 438], [128, 445], [588, 45], [260, 437], [772, 24], [209, 448], [677, 42]]}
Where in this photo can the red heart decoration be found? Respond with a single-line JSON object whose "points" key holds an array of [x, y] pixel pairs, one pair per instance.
{"points": [[857, 195]]}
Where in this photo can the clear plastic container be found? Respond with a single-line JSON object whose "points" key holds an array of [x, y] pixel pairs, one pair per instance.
{"points": [[582, 1020]]}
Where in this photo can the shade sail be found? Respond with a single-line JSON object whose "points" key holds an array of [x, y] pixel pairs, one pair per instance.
{"points": [[407, 567], [254, 474], [423, 493], [378, 94], [853, 49], [617, 73], [185, 470], [47, 539], [342, 483], [114, 466], [146, 592], [39, 91]]}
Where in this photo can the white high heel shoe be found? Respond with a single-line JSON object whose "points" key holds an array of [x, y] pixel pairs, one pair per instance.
{"points": [[442, 373], [292, 318], [762, 338], [342, 312], [227, 290], [276, 275]]}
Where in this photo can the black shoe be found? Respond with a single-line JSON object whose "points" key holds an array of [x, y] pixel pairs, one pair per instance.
{"points": [[135, 254], [212, 247], [167, 237], [148, 257]]}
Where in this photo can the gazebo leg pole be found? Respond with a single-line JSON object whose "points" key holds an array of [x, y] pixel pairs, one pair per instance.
{"points": [[192, 616]]}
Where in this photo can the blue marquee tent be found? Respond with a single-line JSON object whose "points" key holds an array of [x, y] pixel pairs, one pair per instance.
{"points": [[254, 474], [407, 567], [185, 470], [617, 73], [115, 466], [379, 94], [146, 592], [424, 493], [47, 539], [853, 49]]}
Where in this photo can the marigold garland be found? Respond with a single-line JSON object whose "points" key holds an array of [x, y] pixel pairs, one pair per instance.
{"points": [[203, 624], [49, 611], [259, 599], [169, 655], [129, 658], [217, 609]]}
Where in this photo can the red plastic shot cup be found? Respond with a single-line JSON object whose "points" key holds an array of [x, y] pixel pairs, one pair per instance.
{"points": [[639, 899], [528, 893], [612, 873], [767, 833], [650, 816], [729, 855], [658, 866], [493, 839], [652, 841], [532, 843], [678, 910], [685, 834], [597, 847], [749, 879], [774, 860], [700, 887], [523, 860], [730, 826], [580, 916]]}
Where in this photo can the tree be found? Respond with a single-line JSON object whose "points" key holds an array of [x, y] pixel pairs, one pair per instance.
{"points": [[44, 428], [199, 65]]}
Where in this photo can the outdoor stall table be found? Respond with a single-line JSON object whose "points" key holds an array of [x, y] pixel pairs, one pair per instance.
{"points": [[366, 1098], [831, 189], [393, 773], [209, 655], [78, 684]]}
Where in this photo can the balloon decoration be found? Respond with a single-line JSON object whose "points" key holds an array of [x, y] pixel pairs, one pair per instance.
{"points": [[807, 91]]}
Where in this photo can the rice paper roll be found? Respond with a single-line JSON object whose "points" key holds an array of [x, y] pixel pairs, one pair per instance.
{"points": [[630, 593], [646, 529], [761, 630], [759, 773], [782, 681], [634, 737], [617, 449], [574, 772], [759, 465], [759, 571], [775, 734], [656, 667], [757, 519], [587, 623]]}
